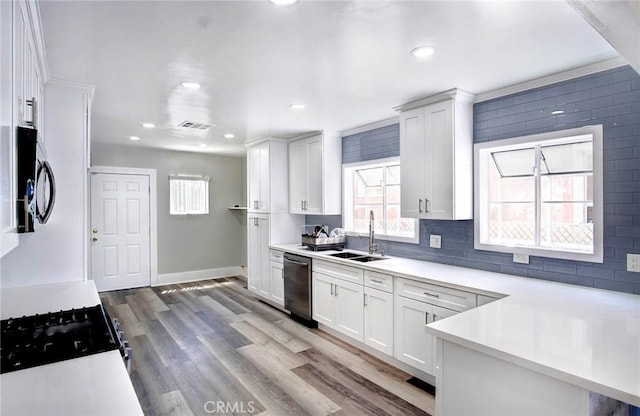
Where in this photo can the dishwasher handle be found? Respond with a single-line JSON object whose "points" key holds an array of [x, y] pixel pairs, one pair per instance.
{"points": [[294, 262]]}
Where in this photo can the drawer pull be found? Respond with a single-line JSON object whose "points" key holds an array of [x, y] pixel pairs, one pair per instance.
{"points": [[426, 318], [377, 281], [433, 295], [331, 289]]}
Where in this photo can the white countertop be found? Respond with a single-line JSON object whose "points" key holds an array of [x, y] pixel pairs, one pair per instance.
{"points": [[97, 384], [586, 337]]}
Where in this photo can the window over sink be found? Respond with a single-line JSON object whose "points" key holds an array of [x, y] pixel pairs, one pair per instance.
{"points": [[541, 195], [375, 185]]}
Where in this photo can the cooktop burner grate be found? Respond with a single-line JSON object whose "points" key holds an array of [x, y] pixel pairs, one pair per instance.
{"points": [[35, 340]]}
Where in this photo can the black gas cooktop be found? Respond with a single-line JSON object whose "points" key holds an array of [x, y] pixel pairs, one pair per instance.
{"points": [[35, 340]]}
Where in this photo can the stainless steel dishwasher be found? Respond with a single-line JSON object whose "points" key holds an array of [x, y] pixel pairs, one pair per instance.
{"points": [[297, 288]]}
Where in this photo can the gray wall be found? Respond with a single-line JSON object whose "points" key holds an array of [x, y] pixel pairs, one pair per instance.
{"points": [[610, 98], [191, 242]]}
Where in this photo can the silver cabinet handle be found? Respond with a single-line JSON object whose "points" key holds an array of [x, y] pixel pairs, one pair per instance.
{"points": [[336, 290], [376, 281], [301, 205], [331, 289], [426, 208], [433, 295], [420, 206], [365, 299], [435, 317], [94, 239], [95, 231], [256, 204], [255, 221], [426, 318], [33, 104]]}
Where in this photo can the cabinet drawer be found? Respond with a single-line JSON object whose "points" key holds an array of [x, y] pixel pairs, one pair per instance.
{"points": [[275, 255], [378, 280], [350, 274], [457, 300]]}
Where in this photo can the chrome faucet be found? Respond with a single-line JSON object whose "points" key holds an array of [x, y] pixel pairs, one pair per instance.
{"points": [[373, 247]]}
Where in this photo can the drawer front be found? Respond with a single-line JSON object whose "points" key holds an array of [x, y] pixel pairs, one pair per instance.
{"points": [[457, 300], [379, 281], [275, 255], [350, 274]]}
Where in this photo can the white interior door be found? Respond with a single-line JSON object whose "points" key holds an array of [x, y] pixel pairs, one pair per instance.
{"points": [[120, 232]]}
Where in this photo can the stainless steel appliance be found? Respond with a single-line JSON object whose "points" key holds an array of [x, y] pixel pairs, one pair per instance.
{"points": [[297, 288]]}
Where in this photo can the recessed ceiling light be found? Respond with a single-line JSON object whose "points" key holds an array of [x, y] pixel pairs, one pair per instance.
{"points": [[422, 52], [283, 2], [203, 145], [556, 112], [297, 106], [229, 136], [134, 138], [190, 84], [148, 125]]}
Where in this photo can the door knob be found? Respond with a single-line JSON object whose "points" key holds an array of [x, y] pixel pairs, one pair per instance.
{"points": [[95, 231], [94, 239]]}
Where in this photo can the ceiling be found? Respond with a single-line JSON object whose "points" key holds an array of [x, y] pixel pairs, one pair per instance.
{"points": [[347, 61]]}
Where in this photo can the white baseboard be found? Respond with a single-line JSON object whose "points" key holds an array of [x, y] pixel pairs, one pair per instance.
{"points": [[196, 275]]}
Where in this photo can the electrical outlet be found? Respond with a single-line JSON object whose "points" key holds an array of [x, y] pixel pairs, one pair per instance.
{"points": [[435, 241], [633, 262], [521, 258]]}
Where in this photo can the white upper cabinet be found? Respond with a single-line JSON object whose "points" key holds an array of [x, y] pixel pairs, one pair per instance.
{"points": [[267, 176], [315, 175], [436, 157]]}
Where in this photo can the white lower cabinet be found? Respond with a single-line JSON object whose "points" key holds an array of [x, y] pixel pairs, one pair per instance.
{"points": [[378, 320], [258, 253], [276, 277], [338, 305], [413, 345]]}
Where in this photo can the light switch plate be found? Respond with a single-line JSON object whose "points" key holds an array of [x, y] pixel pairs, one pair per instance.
{"points": [[521, 258], [435, 241], [633, 262]]}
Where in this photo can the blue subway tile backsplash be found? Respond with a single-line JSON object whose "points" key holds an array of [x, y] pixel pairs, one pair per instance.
{"points": [[610, 98]]}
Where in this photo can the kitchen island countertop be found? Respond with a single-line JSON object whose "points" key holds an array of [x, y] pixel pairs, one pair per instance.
{"points": [[96, 384]]}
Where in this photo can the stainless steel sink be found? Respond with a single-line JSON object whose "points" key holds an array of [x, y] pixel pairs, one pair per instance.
{"points": [[363, 258], [346, 255]]}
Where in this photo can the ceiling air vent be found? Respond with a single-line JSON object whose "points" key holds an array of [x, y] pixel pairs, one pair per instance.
{"points": [[195, 126]]}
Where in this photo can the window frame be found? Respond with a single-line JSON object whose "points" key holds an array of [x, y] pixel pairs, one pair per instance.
{"points": [[481, 192], [194, 178], [347, 206]]}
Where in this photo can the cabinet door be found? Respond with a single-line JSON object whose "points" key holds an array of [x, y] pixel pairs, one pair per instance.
{"points": [[323, 303], [263, 226], [253, 253], [414, 345], [378, 320], [439, 160], [265, 178], [349, 309], [314, 186], [412, 163], [253, 178], [276, 283], [297, 176]]}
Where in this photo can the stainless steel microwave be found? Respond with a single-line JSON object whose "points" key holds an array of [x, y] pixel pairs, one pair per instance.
{"points": [[36, 187]]}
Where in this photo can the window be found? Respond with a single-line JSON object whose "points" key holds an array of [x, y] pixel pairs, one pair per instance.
{"points": [[188, 195], [541, 195], [376, 186]]}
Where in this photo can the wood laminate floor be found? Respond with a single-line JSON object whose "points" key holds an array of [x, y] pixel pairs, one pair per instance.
{"points": [[211, 347]]}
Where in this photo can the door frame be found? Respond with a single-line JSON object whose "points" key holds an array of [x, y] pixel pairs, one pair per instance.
{"points": [[153, 214]]}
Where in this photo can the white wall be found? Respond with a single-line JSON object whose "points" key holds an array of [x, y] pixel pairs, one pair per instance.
{"points": [[56, 251], [194, 246]]}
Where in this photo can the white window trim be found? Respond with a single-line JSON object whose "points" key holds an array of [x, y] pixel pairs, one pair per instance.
{"points": [[346, 212], [598, 197], [191, 178]]}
